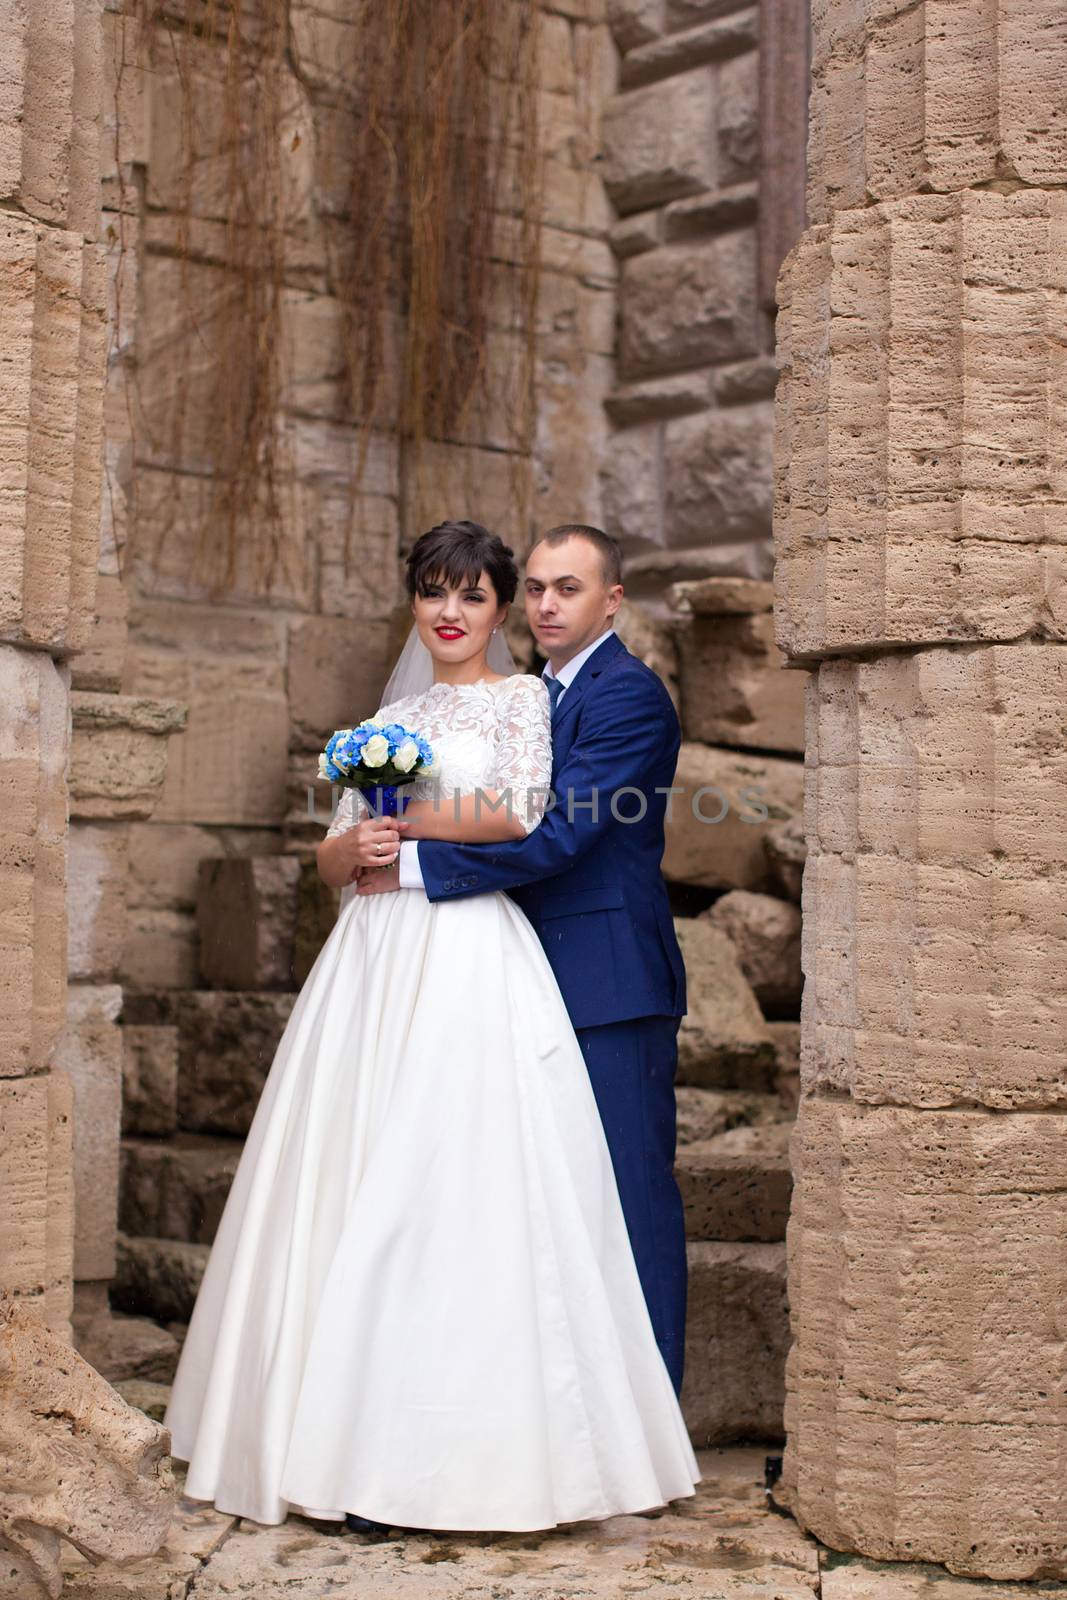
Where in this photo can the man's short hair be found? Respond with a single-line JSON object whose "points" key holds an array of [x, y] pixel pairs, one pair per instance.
{"points": [[609, 548]]}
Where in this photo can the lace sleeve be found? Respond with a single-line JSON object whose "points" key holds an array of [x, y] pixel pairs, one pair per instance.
{"points": [[351, 808], [524, 747]]}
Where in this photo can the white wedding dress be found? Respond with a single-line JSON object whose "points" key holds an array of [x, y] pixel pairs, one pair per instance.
{"points": [[421, 1305]]}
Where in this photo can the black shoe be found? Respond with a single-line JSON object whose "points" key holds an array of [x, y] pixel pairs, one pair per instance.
{"points": [[365, 1526]]}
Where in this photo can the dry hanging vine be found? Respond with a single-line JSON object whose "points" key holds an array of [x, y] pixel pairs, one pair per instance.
{"points": [[431, 240]]}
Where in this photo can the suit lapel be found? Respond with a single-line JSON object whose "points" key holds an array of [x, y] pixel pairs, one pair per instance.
{"points": [[591, 670]]}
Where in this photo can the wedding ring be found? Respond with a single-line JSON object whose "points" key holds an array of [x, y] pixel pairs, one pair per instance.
{"points": [[378, 847]]}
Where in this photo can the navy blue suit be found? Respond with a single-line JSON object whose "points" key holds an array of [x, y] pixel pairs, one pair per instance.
{"points": [[591, 885]]}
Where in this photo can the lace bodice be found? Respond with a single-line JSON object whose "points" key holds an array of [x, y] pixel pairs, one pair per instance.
{"points": [[484, 735]]}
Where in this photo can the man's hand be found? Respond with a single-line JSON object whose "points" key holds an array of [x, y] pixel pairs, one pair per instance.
{"points": [[379, 880]]}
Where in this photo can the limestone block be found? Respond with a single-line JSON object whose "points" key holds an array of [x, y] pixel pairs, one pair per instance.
{"points": [[659, 142], [737, 1333], [634, 22], [910, 97], [123, 108], [786, 1038], [195, 1534], [489, 484], [642, 230], [176, 1190], [229, 762], [765, 932], [736, 1185], [335, 673], [246, 917], [704, 1113], [90, 1052], [80, 1464], [686, 13], [572, 437], [685, 305], [631, 485], [356, 546], [158, 1277], [719, 475], [165, 857], [34, 746], [119, 753], [161, 950], [733, 686], [748, 380], [937, 784], [36, 1181], [786, 850], [711, 213], [100, 664], [722, 1042], [718, 818], [97, 864], [927, 1285], [52, 328], [123, 1348], [149, 1080], [722, 597], [943, 517], [710, 41], [737, 117], [658, 397], [226, 1045], [316, 915], [50, 155]]}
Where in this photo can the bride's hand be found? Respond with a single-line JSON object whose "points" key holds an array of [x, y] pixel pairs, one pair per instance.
{"points": [[375, 842]]}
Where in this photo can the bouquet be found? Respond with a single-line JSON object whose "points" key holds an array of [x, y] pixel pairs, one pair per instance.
{"points": [[377, 757]]}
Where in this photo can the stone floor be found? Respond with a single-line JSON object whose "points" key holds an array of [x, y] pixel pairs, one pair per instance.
{"points": [[725, 1544]]}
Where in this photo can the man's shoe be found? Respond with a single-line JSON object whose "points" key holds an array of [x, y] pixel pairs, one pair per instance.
{"points": [[365, 1526]]}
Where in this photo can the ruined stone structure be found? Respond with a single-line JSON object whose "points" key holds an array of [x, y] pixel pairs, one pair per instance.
{"points": [[159, 736], [921, 575]]}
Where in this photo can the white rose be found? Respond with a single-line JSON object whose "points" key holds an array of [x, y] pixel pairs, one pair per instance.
{"points": [[324, 766], [376, 751], [406, 756]]}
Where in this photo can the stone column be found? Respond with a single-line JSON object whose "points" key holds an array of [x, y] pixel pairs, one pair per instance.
{"points": [[922, 577]]}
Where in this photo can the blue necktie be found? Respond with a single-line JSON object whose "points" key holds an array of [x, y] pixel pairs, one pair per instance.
{"points": [[555, 689]]}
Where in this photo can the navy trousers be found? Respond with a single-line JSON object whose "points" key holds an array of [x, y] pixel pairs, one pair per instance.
{"points": [[631, 1067]]}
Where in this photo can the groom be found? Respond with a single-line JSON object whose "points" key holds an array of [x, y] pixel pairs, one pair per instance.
{"points": [[588, 878]]}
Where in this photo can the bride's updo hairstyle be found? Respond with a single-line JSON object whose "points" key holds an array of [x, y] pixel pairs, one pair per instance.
{"points": [[457, 553]]}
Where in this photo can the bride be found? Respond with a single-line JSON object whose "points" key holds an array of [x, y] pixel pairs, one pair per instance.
{"points": [[421, 1307]]}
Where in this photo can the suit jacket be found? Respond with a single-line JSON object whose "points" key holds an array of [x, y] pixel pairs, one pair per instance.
{"points": [[588, 882]]}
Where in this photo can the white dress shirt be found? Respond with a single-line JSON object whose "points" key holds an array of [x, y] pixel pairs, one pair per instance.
{"points": [[410, 871]]}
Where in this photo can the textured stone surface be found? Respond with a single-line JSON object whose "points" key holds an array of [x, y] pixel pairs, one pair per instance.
{"points": [[733, 686], [921, 526], [226, 1043], [906, 99], [703, 1113], [158, 1277], [123, 1348], [786, 851], [79, 1463], [719, 475], [722, 1042], [247, 917], [176, 1190], [765, 932], [723, 1539], [736, 1185], [90, 1052], [686, 305], [36, 1180], [149, 1080], [34, 746], [659, 142], [722, 813], [927, 1282], [97, 865], [737, 1334], [936, 781], [119, 753]]}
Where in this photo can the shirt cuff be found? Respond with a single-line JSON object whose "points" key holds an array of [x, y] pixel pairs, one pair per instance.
{"points": [[410, 871]]}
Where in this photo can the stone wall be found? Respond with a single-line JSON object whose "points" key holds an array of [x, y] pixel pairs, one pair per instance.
{"points": [[686, 477], [921, 576]]}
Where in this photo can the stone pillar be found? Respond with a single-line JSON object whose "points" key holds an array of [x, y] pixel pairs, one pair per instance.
{"points": [[922, 577]]}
